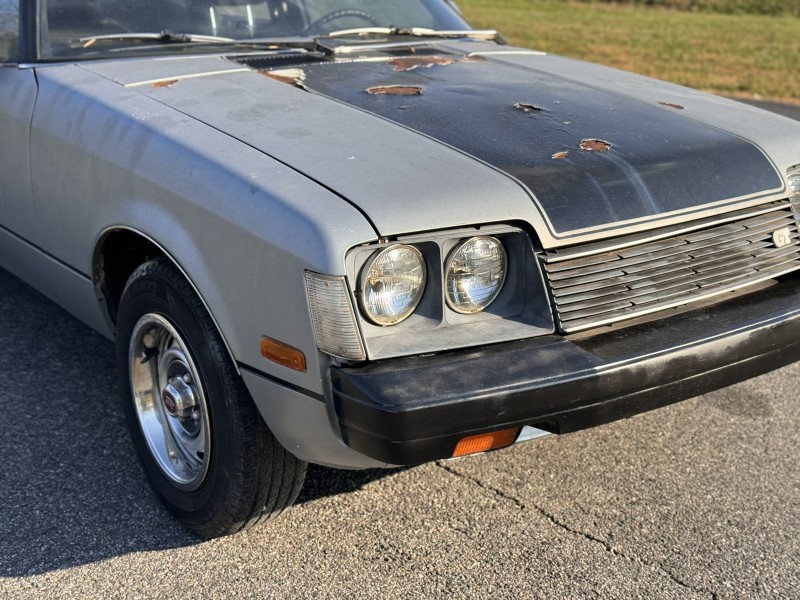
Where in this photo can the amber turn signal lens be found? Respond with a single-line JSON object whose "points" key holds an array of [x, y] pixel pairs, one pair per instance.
{"points": [[486, 441], [283, 354]]}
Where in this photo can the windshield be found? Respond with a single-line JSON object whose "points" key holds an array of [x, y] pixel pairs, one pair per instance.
{"points": [[9, 29], [64, 22]]}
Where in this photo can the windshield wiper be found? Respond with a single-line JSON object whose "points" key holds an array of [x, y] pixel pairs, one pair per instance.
{"points": [[344, 41], [166, 37], [479, 34]]}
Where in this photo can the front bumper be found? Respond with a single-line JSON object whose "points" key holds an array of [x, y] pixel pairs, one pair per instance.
{"points": [[413, 410]]}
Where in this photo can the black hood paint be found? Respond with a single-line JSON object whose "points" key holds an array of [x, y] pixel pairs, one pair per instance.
{"points": [[660, 160]]}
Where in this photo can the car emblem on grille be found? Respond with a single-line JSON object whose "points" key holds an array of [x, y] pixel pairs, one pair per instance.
{"points": [[781, 237]]}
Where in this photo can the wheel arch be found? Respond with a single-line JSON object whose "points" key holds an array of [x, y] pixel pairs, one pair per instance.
{"points": [[118, 252]]}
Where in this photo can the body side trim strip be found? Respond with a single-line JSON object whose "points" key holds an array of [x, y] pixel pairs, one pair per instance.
{"points": [[281, 382], [46, 253]]}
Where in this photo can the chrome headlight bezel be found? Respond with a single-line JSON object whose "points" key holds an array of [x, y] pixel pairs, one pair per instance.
{"points": [[364, 285]]}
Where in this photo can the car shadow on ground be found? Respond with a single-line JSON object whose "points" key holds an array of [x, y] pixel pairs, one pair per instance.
{"points": [[71, 490]]}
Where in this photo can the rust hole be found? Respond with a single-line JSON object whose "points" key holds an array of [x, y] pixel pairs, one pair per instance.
{"points": [[528, 108], [395, 90], [672, 105], [416, 62], [560, 155], [596, 145], [163, 84], [294, 77]]}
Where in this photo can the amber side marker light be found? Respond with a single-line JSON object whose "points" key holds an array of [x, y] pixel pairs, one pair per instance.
{"points": [[283, 354], [486, 441]]}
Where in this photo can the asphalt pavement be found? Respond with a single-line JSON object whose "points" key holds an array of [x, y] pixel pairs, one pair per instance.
{"points": [[697, 500]]}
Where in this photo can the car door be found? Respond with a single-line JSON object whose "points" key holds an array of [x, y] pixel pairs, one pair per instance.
{"points": [[17, 97], [22, 231]]}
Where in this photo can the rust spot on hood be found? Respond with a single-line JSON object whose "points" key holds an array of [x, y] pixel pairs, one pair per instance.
{"points": [[395, 90], [410, 63], [165, 83], [415, 62], [560, 155], [596, 145], [672, 105], [528, 108], [294, 77]]}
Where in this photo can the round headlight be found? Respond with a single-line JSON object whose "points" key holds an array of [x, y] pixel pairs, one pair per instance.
{"points": [[474, 274], [392, 283], [794, 183]]}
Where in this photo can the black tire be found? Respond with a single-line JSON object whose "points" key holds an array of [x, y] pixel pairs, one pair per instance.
{"points": [[246, 476]]}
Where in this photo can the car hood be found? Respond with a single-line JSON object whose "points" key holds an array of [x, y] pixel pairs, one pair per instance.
{"points": [[462, 134]]}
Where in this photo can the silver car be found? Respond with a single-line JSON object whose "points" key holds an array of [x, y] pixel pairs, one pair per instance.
{"points": [[362, 234]]}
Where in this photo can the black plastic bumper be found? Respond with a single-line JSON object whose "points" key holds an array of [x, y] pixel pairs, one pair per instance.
{"points": [[413, 410]]}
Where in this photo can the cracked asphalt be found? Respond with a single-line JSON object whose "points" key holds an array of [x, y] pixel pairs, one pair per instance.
{"points": [[697, 500]]}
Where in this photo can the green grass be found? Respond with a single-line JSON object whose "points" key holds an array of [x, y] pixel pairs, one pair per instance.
{"points": [[733, 54], [752, 7]]}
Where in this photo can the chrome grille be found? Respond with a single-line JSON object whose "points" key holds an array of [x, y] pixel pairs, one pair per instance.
{"points": [[628, 277]]}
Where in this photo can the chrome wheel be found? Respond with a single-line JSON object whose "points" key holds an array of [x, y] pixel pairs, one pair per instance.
{"points": [[169, 401]]}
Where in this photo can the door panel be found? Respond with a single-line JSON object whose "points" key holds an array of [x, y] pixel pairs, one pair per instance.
{"points": [[17, 97]]}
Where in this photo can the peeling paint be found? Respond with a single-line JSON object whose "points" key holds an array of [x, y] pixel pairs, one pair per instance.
{"points": [[395, 90], [528, 108], [596, 145], [426, 62], [415, 62], [560, 155], [179, 77], [294, 77], [672, 105], [165, 83]]}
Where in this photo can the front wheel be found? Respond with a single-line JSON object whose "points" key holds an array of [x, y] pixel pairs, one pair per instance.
{"points": [[203, 445]]}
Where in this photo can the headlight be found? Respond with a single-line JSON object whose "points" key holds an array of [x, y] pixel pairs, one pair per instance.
{"points": [[392, 283], [474, 274], [794, 183]]}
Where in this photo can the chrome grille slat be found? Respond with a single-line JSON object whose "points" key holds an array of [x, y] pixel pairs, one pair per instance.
{"points": [[638, 311], [594, 293], [623, 259], [671, 286], [600, 309], [715, 250], [590, 250], [678, 269], [647, 249], [601, 286]]}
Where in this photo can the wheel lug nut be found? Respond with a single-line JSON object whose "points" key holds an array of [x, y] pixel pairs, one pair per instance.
{"points": [[187, 378]]}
